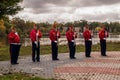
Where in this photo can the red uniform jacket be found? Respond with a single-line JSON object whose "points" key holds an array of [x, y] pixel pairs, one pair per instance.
{"points": [[87, 35], [33, 34], [70, 36], [103, 34], [13, 38], [53, 35]]}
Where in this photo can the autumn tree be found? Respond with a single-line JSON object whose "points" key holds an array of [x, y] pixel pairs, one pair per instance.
{"points": [[9, 7]]}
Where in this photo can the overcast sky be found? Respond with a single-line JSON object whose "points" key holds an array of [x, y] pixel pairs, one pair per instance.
{"points": [[70, 10]]}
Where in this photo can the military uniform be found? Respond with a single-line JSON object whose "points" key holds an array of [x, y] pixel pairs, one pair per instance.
{"points": [[35, 35], [88, 42], [14, 41], [103, 35], [54, 35], [70, 35]]}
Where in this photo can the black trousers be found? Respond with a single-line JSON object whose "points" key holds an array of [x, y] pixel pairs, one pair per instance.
{"points": [[35, 51], [72, 49], [103, 47], [14, 53], [88, 45], [54, 50]]}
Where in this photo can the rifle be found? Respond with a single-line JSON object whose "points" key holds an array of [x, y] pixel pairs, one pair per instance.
{"points": [[74, 36], [57, 36], [55, 23]]}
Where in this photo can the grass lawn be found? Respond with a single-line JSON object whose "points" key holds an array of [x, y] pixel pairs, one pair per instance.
{"points": [[4, 50], [20, 76]]}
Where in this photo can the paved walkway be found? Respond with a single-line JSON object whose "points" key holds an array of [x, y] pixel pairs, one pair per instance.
{"points": [[82, 68]]}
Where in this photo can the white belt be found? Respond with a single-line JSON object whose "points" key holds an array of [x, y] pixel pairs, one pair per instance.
{"points": [[90, 39], [73, 41], [55, 41], [104, 38], [16, 43]]}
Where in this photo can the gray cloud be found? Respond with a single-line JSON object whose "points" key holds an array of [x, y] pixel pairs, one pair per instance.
{"points": [[65, 10], [42, 3], [103, 17], [40, 6], [84, 3], [88, 3]]}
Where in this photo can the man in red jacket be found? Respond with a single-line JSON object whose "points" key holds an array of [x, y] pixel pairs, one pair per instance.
{"points": [[14, 41], [54, 34], [71, 35], [103, 34], [35, 35], [88, 41]]}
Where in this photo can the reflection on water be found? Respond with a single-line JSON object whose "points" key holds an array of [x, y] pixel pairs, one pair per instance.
{"points": [[79, 40]]}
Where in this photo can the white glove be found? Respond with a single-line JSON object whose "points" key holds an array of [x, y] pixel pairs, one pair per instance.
{"points": [[16, 33], [35, 42], [55, 41], [90, 39], [73, 40], [104, 38], [106, 33], [57, 34], [37, 34]]}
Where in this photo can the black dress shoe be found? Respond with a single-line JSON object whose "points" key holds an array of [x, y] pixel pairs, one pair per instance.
{"points": [[33, 60], [88, 56], [14, 63], [55, 59], [73, 58], [38, 60], [104, 55]]}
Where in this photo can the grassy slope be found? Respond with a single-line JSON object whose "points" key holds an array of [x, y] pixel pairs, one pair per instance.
{"points": [[4, 50], [20, 76]]}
